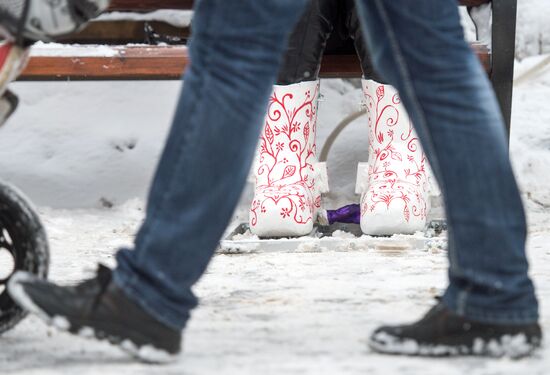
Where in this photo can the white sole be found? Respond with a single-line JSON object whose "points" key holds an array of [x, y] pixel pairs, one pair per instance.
{"points": [[509, 346]]}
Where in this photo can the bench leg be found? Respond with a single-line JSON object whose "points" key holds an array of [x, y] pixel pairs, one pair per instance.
{"points": [[503, 49]]}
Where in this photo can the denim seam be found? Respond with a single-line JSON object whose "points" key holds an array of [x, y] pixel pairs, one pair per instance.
{"points": [[185, 141], [180, 159], [128, 284], [407, 82]]}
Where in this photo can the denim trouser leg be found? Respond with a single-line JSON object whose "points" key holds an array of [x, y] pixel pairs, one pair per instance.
{"points": [[418, 46], [235, 52]]}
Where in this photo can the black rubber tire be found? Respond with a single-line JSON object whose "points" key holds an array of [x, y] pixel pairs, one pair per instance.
{"points": [[29, 246]]}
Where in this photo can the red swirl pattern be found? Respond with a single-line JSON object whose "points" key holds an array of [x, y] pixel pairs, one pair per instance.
{"points": [[284, 168], [397, 178]]}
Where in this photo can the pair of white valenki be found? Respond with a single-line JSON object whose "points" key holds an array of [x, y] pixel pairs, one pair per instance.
{"points": [[289, 179]]}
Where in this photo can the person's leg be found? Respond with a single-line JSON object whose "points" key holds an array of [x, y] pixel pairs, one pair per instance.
{"points": [[307, 42], [144, 304], [235, 52], [353, 26], [419, 48]]}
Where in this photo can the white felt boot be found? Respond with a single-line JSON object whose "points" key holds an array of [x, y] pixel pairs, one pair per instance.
{"points": [[394, 183], [289, 179]]}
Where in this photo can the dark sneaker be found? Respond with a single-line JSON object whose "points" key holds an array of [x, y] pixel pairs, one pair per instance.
{"points": [[97, 308], [443, 333]]}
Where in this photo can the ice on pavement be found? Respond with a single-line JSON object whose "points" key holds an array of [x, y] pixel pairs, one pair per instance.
{"points": [[273, 313], [269, 313], [80, 146]]}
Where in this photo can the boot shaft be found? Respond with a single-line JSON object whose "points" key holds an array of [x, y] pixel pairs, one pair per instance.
{"points": [[395, 153], [394, 183], [287, 151]]}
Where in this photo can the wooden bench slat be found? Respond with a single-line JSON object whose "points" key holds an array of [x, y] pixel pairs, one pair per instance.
{"points": [[152, 63], [125, 63]]}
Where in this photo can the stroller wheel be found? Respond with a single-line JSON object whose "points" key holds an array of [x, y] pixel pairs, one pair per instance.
{"points": [[23, 246]]}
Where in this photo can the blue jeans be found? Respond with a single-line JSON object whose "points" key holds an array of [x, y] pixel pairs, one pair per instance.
{"points": [[418, 46]]}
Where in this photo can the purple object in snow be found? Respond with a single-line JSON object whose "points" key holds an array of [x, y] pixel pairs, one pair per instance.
{"points": [[347, 214]]}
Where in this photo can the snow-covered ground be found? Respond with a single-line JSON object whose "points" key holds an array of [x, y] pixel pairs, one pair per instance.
{"points": [[79, 148], [533, 28], [272, 313]]}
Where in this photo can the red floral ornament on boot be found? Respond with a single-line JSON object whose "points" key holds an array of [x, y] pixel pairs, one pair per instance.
{"points": [[289, 180], [394, 189]]}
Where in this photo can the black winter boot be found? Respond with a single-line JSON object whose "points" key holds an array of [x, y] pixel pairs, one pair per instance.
{"points": [[442, 333], [97, 308]]}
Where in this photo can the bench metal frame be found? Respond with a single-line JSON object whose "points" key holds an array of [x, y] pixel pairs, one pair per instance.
{"points": [[504, 49]]}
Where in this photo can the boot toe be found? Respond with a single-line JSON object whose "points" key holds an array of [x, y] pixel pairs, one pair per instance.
{"points": [[282, 212], [385, 221], [390, 213]]}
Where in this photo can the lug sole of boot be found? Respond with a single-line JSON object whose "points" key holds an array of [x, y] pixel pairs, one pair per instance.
{"points": [[389, 223], [511, 346], [144, 353], [280, 232]]}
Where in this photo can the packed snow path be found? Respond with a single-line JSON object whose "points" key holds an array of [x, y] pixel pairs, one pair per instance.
{"points": [[275, 313]]}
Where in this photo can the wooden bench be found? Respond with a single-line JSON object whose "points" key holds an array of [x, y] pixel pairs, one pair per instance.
{"points": [[154, 62]]}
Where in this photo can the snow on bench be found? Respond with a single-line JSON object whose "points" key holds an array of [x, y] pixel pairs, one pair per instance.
{"points": [[53, 61], [146, 5], [99, 62], [168, 62]]}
